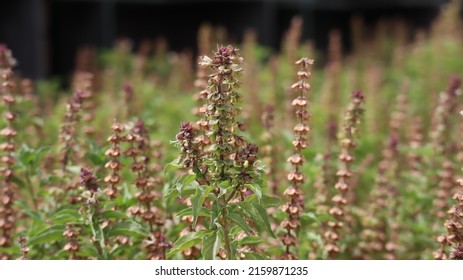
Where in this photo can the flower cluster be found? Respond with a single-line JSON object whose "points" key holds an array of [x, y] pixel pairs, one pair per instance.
{"points": [[222, 111], [338, 210], [295, 205], [186, 138], [88, 180]]}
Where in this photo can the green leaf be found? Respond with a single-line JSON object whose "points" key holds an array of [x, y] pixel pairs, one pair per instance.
{"points": [[256, 189], [29, 157], [197, 201], [186, 241], [188, 179], [113, 214], [263, 215], [203, 212], [215, 213], [223, 186], [250, 240], [96, 159], [270, 201], [65, 216], [96, 154], [211, 243], [308, 218], [18, 182], [171, 166], [315, 238], [129, 228], [39, 154], [87, 250], [49, 234], [33, 214], [49, 180], [258, 214], [324, 217], [25, 208], [240, 221]]}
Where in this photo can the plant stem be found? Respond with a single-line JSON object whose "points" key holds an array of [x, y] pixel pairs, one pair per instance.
{"points": [[30, 188], [226, 238]]}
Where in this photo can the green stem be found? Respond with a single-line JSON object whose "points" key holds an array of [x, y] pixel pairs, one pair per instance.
{"points": [[30, 188], [226, 237]]}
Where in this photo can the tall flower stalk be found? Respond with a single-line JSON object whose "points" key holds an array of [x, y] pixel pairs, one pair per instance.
{"points": [[8, 192], [453, 239], [157, 244], [226, 169], [114, 164], [294, 193], [339, 210]]}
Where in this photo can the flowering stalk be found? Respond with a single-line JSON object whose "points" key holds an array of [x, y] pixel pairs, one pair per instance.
{"points": [[295, 205], [454, 226], [379, 236], [222, 111], [415, 142], [67, 135], [441, 125], [444, 191], [84, 83], [441, 141], [139, 148], [352, 119], [226, 169], [8, 188], [91, 211], [191, 152], [114, 153]]}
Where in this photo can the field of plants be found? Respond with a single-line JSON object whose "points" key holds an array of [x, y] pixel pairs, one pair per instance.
{"points": [[246, 154]]}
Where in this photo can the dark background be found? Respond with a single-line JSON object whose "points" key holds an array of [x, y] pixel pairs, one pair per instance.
{"points": [[45, 34]]}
